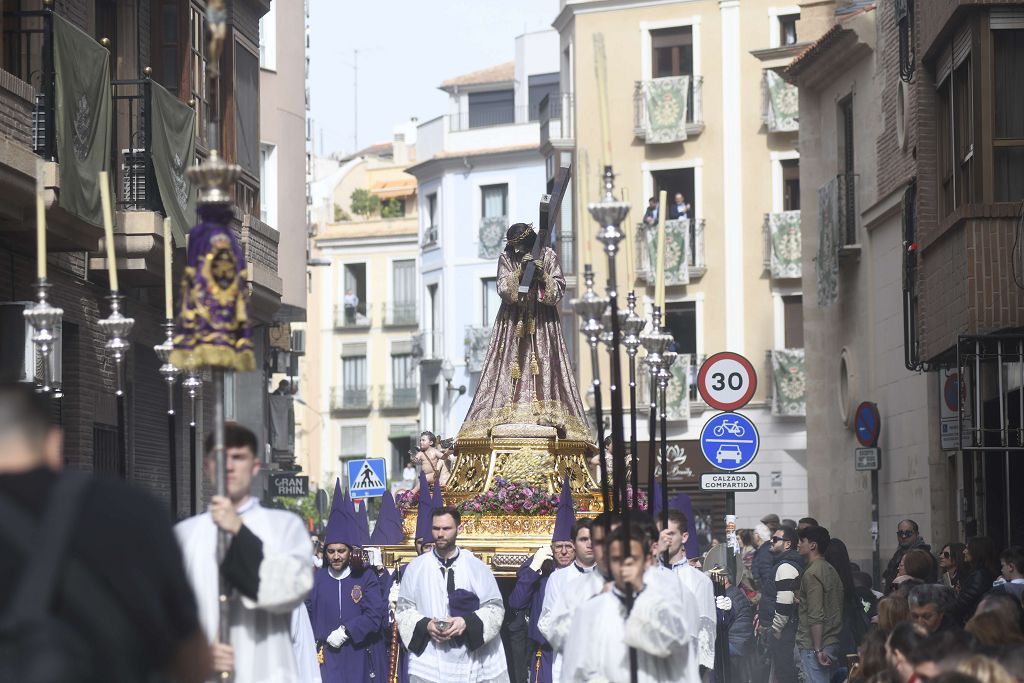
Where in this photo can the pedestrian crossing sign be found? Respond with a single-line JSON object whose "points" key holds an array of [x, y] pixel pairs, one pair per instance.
{"points": [[367, 478]]}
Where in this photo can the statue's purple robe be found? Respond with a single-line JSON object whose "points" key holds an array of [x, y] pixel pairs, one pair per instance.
{"points": [[356, 603], [529, 593]]}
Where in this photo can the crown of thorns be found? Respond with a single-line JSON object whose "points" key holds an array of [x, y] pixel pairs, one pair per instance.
{"points": [[521, 236]]}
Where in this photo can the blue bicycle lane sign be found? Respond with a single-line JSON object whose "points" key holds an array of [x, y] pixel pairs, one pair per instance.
{"points": [[729, 441]]}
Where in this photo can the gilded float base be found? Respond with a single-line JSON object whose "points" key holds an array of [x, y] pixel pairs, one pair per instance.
{"points": [[504, 542]]}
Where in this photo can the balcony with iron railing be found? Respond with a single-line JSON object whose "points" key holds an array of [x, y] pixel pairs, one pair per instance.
{"points": [[646, 250], [400, 314], [556, 120], [353, 399], [846, 195], [781, 245], [428, 346], [352, 318], [694, 115], [398, 398]]}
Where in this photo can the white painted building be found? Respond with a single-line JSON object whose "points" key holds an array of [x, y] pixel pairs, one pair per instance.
{"points": [[479, 169]]}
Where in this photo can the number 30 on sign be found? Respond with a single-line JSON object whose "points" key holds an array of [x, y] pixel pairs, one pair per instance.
{"points": [[727, 381]]}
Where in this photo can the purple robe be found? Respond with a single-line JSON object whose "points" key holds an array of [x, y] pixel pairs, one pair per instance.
{"points": [[529, 592], [527, 376], [356, 603]]}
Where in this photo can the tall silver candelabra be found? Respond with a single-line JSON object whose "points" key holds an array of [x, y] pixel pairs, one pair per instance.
{"points": [[590, 308], [117, 327], [45, 319]]}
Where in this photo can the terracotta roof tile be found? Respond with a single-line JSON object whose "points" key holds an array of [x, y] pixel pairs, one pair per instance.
{"points": [[493, 74]]}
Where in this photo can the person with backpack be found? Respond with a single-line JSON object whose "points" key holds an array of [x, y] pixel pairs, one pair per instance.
{"points": [[94, 587]]}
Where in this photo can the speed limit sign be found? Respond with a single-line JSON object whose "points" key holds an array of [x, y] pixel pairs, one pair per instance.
{"points": [[727, 381]]}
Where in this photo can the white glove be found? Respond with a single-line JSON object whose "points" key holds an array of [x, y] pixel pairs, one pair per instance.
{"points": [[338, 637], [723, 603], [393, 594], [543, 553]]}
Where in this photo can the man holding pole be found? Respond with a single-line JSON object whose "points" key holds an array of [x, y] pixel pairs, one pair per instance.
{"points": [[266, 568]]}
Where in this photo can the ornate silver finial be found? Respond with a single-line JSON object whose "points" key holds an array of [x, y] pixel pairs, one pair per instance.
{"points": [[44, 319], [116, 327], [590, 308], [167, 369], [632, 326], [655, 342], [215, 178], [665, 368], [609, 213]]}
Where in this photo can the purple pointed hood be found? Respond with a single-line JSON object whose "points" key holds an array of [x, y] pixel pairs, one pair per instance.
{"points": [[656, 502], [683, 504], [337, 498], [565, 517], [341, 528], [363, 524], [424, 512], [388, 530]]}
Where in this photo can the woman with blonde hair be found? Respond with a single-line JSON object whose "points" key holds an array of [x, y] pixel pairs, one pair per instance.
{"points": [[994, 629], [985, 670], [893, 610]]}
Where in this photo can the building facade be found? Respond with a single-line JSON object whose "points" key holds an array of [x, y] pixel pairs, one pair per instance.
{"points": [[917, 306], [359, 381], [479, 169], [156, 62], [696, 107]]}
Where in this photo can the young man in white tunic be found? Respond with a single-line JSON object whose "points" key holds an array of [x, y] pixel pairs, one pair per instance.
{"points": [[450, 611], [672, 545], [571, 586], [602, 632], [266, 567]]}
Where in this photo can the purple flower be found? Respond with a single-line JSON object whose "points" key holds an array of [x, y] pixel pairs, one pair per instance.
{"points": [[509, 507], [476, 507]]}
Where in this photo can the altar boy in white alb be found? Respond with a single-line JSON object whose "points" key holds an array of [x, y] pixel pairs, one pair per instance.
{"points": [[450, 611], [603, 630], [267, 567]]}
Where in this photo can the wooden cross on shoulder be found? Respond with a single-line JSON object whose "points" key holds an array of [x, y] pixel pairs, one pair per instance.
{"points": [[550, 212]]}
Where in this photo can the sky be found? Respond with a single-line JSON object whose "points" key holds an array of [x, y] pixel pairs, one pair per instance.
{"points": [[405, 49]]}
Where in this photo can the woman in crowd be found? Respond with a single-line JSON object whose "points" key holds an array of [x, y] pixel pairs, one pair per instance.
{"points": [[982, 568], [893, 610], [951, 564], [916, 564], [855, 624], [994, 629], [901, 642], [871, 662]]}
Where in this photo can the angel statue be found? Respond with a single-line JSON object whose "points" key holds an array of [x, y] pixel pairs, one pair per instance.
{"points": [[526, 376]]}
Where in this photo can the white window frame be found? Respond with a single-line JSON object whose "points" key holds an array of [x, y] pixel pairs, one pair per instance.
{"points": [[268, 184], [778, 189], [779, 313], [478, 199], [268, 39], [774, 34], [645, 43], [698, 179]]}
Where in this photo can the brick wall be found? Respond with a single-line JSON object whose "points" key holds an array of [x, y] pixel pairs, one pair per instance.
{"points": [[16, 103], [260, 242], [943, 293], [896, 165]]}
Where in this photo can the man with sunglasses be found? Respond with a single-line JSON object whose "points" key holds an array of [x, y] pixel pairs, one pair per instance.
{"points": [[777, 611], [908, 536]]}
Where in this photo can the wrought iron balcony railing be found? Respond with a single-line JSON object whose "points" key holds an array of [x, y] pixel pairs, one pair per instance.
{"points": [[646, 235], [354, 399], [556, 118], [134, 179], [352, 318], [694, 108], [400, 314], [428, 346], [398, 398], [28, 54]]}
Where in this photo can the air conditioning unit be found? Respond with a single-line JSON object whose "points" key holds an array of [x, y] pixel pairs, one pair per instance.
{"points": [[298, 341], [19, 359]]}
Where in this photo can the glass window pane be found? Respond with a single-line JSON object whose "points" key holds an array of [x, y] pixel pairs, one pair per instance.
{"points": [[1009, 96], [1009, 174]]}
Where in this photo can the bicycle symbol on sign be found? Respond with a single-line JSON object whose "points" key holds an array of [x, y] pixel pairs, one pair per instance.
{"points": [[734, 427]]}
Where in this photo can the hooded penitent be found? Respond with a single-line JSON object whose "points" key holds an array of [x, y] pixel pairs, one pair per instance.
{"points": [[565, 517], [424, 513], [389, 523]]}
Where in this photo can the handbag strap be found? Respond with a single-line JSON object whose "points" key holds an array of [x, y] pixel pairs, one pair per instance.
{"points": [[39, 580]]}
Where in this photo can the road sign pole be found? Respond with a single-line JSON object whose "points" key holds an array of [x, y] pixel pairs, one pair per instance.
{"points": [[876, 557]]}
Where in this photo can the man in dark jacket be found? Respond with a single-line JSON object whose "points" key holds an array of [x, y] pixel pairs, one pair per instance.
{"points": [[763, 563], [909, 537], [777, 611]]}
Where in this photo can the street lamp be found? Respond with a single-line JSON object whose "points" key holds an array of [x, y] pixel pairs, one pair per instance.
{"points": [[448, 372]]}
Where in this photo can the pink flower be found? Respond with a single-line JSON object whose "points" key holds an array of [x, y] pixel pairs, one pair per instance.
{"points": [[476, 507], [509, 507]]}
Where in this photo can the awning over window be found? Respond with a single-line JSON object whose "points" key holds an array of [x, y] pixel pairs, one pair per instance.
{"points": [[390, 189]]}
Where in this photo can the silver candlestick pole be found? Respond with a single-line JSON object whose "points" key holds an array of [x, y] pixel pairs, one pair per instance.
{"points": [[116, 327], [44, 319], [170, 375], [609, 213], [590, 308], [664, 375], [632, 325], [655, 341], [192, 384]]}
